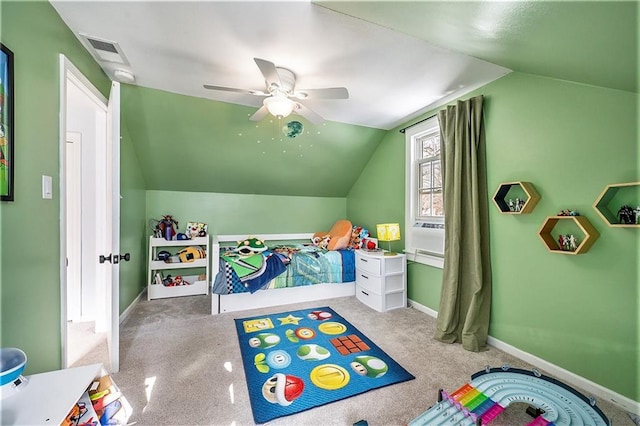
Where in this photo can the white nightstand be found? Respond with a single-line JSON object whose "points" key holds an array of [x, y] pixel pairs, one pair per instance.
{"points": [[381, 281]]}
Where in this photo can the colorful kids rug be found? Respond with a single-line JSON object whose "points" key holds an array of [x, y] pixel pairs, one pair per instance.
{"points": [[302, 359]]}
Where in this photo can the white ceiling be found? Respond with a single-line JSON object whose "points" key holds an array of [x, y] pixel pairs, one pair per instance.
{"points": [[179, 46]]}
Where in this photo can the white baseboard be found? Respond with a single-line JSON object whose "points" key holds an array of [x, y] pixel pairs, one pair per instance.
{"points": [[125, 314], [548, 368], [418, 307]]}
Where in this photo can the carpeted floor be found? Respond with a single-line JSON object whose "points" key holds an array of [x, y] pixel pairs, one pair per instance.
{"points": [[182, 366]]}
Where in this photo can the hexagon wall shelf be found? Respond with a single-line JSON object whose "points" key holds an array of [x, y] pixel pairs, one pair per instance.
{"points": [[527, 187], [590, 234], [602, 205]]}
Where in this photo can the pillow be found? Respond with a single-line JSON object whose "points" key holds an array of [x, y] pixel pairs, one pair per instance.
{"points": [[340, 234]]}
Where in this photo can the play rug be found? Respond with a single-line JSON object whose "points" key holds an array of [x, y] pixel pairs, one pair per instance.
{"points": [[302, 359]]}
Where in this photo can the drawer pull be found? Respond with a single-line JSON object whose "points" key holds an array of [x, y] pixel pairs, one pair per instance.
{"points": [[365, 293], [363, 260], [364, 276]]}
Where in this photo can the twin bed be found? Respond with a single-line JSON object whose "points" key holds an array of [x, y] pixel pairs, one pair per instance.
{"points": [[290, 270]]}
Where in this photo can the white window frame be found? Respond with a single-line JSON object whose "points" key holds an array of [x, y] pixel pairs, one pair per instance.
{"points": [[424, 236]]}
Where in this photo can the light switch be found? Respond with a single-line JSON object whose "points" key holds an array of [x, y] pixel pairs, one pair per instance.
{"points": [[47, 187]]}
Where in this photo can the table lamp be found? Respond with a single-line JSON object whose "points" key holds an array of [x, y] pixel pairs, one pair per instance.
{"points": [[388, 232]]}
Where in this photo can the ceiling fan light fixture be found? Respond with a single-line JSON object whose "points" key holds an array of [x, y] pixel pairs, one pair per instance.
{"points": [[279, 106]]}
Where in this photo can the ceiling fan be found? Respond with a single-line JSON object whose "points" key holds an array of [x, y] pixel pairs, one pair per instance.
{"points": [[281, 96]]}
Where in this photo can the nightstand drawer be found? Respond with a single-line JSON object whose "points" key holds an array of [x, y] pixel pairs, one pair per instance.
{"points": [[369, 298], [369, 282], [370, 264]]}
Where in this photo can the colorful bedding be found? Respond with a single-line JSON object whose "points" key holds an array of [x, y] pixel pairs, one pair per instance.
{"points": [[283, 266]]}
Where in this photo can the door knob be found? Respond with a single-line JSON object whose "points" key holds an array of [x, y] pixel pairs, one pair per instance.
{"points": [[116, 258]]}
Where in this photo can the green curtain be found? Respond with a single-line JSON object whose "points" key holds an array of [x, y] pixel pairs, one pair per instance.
{"points": [[465, 300]]}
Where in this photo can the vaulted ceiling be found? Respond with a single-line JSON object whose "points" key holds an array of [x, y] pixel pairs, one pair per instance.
{"points": [[398, 59]]}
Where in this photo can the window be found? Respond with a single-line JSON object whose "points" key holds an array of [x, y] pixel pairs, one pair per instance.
{"points": [[429, 184], [424, 202]]}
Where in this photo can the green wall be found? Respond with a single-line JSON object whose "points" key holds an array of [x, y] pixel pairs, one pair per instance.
{"points": [[193, 144], [569, 140], [30, 226], [245, 213], [132, 221]]}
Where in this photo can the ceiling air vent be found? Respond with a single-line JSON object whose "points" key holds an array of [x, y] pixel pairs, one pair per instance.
{"points": [[104, 50]]}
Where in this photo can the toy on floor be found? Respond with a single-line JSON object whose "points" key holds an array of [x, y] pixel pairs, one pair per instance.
{"points": [[492, 390]]}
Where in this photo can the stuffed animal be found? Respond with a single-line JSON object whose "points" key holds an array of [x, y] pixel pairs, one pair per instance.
{"points": [[358, 234], [339, 235], [249, 246], [321, 241]]}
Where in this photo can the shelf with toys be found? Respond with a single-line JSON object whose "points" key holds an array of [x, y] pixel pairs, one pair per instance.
{"points": [[171, 260], [568, 243], [522, 197], [622, 198]]}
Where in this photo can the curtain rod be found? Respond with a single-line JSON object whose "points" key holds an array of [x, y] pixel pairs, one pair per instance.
{"points": [[417, 122]]}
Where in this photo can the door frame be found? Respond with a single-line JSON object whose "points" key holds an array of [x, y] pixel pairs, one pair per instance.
{"points": [[73, 199], [68, 71]]}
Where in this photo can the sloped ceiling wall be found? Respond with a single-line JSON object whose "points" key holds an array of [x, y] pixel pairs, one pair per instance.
{"points": [[193, 144]]}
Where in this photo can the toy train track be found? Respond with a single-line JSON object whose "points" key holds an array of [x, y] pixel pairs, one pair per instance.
{"points": [[492, 390]]}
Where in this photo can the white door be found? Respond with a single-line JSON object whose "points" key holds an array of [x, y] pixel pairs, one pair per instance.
{"points": [[113, 225], [107, 232]]}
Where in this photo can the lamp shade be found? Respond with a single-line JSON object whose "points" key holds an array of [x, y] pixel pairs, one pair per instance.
{"points": [[388, 231], [279, 106]]}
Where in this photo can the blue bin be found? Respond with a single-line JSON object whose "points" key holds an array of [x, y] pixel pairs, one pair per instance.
{"points": [[12, 363]]}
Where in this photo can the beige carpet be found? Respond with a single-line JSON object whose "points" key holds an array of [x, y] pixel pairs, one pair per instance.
{"points": [[182, 366]]}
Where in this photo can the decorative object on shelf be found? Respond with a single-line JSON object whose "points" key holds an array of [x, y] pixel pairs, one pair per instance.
{"points": [[196, 229], [165, 227], [564, 243], [191, 253], [627, 215], [610, 205], [388, 232], [7, 165], [567, 212], [292, 129], [525, 201], [517, 205], [567, 242]]}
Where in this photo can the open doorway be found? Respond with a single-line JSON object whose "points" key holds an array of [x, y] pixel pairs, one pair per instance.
{"points": [[86, 181]]}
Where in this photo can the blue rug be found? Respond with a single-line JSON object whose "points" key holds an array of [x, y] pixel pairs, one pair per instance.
{"points": [[302, 359]]}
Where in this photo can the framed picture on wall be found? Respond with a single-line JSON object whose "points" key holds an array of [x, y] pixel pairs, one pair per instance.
{"points": [[6, 124]]}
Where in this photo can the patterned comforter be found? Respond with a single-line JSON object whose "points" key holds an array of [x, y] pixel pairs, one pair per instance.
{"points": [[283, 266]]}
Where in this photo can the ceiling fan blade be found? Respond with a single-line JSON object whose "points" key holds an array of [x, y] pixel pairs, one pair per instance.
{"points": [[268, 70], [232, 89], [308, 114], [328, 93], [259, 114]]}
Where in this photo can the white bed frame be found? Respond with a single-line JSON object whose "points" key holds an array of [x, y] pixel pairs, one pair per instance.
{"points": [[275, 297]]}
